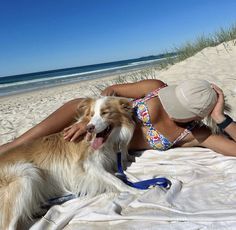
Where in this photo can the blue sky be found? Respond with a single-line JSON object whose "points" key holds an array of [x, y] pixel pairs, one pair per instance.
{"points": [[52, 34]]}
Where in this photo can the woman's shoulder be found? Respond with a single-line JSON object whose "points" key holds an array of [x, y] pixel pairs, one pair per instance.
{"points": [[149, 85]]}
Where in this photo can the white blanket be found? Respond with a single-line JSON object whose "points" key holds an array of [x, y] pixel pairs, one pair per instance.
{"points": [[202, 196]]}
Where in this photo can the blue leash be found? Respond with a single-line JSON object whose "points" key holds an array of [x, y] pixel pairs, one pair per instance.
{"points": [[58, 200], [145, 184]]}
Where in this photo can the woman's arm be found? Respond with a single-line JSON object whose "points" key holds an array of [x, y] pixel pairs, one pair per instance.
{"points": [[133, 90], [218, 143], [218, 116], [202, 137], [231, 130]]}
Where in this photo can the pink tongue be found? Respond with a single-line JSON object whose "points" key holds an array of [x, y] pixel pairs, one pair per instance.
{"points": [[98, 141]]}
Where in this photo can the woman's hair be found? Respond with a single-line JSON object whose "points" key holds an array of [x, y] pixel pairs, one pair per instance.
{"points": [[212, 124]]}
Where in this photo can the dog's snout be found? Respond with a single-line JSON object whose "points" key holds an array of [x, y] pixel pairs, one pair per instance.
{"points": [[90, 128]]}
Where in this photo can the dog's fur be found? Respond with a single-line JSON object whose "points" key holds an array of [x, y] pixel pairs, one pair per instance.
{"points": [[50, 167]]}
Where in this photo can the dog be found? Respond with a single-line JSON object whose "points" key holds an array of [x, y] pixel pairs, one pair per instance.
{"points": [[50, 166]]}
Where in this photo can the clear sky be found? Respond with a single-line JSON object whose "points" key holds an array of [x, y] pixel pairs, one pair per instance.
{"points": [[51, 34]]}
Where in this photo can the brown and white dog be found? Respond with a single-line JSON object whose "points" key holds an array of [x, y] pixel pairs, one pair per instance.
{"points": [[50, 166]]}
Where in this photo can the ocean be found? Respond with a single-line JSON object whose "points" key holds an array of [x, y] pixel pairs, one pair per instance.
{"points": [[15, 84]]}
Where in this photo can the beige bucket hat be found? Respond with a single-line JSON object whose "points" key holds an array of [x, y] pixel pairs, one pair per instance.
{"points": [[189, 99]]}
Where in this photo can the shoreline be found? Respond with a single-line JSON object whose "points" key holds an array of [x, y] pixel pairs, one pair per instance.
{"points": [[100, 79], [35, 91], [90, 77]]}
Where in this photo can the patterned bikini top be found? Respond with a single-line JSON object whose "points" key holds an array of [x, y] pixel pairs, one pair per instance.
{"points": [[155, 139]]}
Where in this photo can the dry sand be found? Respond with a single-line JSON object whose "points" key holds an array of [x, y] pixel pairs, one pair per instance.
{"points": [[20, 112]]}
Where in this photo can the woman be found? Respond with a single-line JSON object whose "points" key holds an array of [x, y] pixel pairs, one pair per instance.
{"points": [[167, 117]]}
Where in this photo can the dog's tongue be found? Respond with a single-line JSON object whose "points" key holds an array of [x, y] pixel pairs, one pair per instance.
{"points": [[97, 142]]}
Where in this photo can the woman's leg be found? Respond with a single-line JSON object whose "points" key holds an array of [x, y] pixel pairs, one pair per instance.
{"points": [[54, 123]]}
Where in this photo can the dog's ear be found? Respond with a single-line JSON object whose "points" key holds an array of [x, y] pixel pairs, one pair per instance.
{"points": [[84, 107], [126, 104]]}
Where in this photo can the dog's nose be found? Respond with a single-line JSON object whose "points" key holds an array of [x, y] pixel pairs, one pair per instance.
{"points": [[90, 128]]}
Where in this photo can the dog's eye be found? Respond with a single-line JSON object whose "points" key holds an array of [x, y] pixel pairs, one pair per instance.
{"points": [[104, 112]]}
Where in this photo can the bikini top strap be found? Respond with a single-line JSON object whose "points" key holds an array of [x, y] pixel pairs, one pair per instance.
{"points": [[152, 94], [181, 136], [185, 132]]}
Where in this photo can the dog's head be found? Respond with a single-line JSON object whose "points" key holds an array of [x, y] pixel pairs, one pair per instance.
{"points": [[110, 120]]}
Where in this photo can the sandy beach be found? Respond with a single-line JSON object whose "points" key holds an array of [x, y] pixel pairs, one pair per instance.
{"points": [[20, 112]]}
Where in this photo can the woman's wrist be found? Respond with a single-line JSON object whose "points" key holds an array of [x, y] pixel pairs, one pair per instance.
{"points": [[225, 122], [219, 119]]}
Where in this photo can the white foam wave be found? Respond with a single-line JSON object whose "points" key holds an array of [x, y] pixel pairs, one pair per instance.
{"points": [[57, 80], [146, 62], [60, 77]]}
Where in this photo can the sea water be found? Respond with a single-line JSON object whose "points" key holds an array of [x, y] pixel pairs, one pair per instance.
{"points": [[32, 81]]}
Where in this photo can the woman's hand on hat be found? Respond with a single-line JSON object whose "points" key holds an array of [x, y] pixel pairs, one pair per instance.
{"points": [[217, 113]]}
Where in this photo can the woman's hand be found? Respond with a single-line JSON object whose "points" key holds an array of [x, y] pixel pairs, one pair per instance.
{"points": [[217, 113], [109, 91], [76, 131]]}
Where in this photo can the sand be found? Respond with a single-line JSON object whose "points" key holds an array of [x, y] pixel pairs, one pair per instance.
{"points": [[19, 113]]}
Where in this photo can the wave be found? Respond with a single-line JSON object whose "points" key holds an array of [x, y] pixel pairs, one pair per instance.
{"points": [[67, 76], [40, 80], [146, 62]]}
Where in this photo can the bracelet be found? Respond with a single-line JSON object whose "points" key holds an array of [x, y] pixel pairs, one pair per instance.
{"points": [[226, 122]]}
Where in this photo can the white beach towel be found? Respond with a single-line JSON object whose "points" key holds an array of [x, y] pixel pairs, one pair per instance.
{"points": [[202, 196]]}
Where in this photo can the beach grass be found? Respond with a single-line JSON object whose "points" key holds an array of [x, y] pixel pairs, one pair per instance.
{"points": [[189, 49], [146, 73]]}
